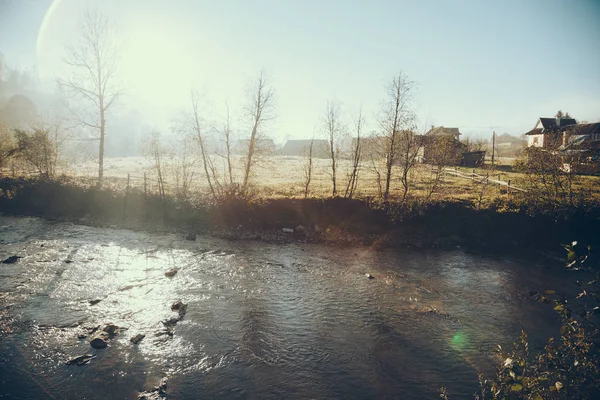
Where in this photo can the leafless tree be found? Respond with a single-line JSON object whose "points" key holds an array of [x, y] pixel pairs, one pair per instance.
{"points": [[409, 144], [333, 130], [442, 152], [260, 110], [308, 167], [396, 122], [207, 163], [475, 144], [227, 139], [155, 152], [92, 81], [356, 157]]}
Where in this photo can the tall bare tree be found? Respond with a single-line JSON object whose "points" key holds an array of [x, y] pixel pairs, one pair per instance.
{"points": [[227, 139], [332, 126], [308, 167], [260, 110], [209, 170], [93, 74], [396, 120], [356, 157]]}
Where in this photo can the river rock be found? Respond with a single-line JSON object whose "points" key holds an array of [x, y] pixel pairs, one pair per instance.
{"points": [[301, 229], [369, 276], [157, 393], [11, 260], [171, 273], [137, 338], [100, 340], [81, 360], [191, 237], [180, 307], [94, 302], [111, 329]]}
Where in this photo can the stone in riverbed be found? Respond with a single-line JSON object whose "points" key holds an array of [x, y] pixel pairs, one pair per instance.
{"points": [[191, 237], [111, 329], [157, 393], [100, 340], [11, 260], [137, 338], [180, 307], [81, 360], [94, 302], [171, 273]]}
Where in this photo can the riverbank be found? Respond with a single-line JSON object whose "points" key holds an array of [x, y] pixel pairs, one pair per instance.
{"points": [[502, 227]]}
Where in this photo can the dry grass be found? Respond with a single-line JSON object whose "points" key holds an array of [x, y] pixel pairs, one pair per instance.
{"points": [[283, 177]]}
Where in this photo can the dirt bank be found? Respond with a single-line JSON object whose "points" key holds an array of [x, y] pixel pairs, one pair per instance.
{"points": [[337, 221]]}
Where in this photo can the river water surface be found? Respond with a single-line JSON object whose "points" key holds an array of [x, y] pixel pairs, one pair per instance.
{"points": [[264, 321]]}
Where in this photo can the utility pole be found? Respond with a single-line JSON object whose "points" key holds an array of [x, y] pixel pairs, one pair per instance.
{"points": [[493, 146]]}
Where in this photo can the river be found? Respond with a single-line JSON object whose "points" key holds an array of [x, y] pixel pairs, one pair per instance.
{"points": [[264, 321]]}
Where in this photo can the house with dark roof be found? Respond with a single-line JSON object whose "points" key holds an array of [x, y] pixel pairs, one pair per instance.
{"points": [[442, 131], [547, 132]]}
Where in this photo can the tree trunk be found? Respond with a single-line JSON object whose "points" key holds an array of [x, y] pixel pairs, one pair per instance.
{"points": [[101, 147]]}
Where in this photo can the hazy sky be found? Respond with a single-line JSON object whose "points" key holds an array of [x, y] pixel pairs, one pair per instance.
{"points": [[480, 65]]}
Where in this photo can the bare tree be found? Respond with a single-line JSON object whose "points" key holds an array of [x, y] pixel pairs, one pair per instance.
{"points": [[308, 167], [356, 158], [209, 168], [397, 119], [260, 111], [154, 151], [442, 152], [227, 138], [92, 82], [409, 144], [333, 130]]}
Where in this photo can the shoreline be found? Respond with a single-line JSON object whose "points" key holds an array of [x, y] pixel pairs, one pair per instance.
{"points": [[334, 221]]}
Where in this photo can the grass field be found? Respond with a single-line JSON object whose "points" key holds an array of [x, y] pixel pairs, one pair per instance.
{"points": [[283, 176]]}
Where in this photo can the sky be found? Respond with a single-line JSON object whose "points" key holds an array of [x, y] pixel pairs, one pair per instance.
{"points": [[481, 66]]}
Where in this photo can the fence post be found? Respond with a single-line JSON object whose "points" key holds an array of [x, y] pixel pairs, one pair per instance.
{"points": [[508, 188], [473, 174]]}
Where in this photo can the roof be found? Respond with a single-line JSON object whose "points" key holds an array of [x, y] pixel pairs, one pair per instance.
{"points": [[443, 131], [549, 124], [584, 129], [535, 131]]}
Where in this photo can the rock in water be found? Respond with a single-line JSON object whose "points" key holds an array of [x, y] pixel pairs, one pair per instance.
{"points": [[157, 393], [111, 329], [171, 273], [180, 307], [137, 338], [11, 260], [191, 236], [162, 386], [81, 360], [100, 340], [94, 302]]}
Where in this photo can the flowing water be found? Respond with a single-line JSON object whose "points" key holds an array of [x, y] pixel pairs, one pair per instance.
{"points": [[264, 321]]}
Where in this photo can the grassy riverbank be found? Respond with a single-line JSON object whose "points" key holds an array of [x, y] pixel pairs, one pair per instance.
{"points": [[500, 226]]}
